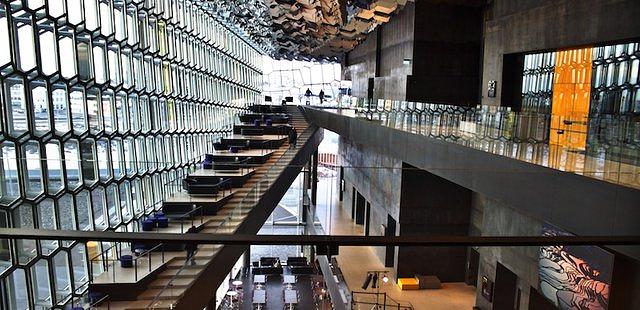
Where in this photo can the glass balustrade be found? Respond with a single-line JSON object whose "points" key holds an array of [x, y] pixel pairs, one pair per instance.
{"points": [[604, 147]]}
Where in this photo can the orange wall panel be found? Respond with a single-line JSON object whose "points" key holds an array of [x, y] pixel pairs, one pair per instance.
{"points": [[571, 98]]}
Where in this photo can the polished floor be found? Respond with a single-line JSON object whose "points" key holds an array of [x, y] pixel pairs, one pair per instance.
{"points": [[356, 261]]}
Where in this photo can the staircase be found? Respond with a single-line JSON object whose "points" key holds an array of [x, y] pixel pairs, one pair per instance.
{"points": [[170, 285]]}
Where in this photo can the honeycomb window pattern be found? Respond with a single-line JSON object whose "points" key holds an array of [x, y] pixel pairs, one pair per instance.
{"points": [[103, 103]]}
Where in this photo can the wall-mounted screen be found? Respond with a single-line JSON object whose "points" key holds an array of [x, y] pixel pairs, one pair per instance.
{"points": [[574, 277]]}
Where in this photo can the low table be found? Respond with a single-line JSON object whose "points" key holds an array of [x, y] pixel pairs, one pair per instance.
{"points": [[259, 279], [259, 297], [289, 280], [290, 297]]}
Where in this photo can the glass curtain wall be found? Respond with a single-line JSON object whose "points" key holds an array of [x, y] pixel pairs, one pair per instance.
{"points": [[291, 78], [592, 95], [102, 103]]}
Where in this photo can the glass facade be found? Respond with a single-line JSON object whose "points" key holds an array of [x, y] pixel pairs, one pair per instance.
{"points": [[102, 103], [291, 78], [613, 73], [592, 95]]}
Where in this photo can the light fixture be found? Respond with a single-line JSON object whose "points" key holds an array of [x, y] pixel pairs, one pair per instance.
{"points": [[385, 279], [406, 61]]}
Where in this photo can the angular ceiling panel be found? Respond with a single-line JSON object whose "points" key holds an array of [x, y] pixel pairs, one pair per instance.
{"points": [[305, 29]]}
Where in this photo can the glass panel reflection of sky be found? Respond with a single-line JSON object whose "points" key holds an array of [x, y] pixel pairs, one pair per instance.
{"points": [[287, 78]]}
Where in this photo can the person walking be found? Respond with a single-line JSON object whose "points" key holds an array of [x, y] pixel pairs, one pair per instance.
{"points": [[191, 247], [293, 137], [308, 94], [321, 96]]}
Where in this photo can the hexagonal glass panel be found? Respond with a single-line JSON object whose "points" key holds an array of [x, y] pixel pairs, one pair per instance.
{"points": [[109, 112], [89, 161], [23, 217], [17, 292], [80, 269], [26, 51], [125, 201], [32, 166], [61, 117], [9, 186], [94, 111], [66, 45], [99, 208], [5, 53], [83, 210], [56, 7], [78, 112], [60, 265], [117, 159], [72, 163], [92, 21], [55, 177], [40, 284], [5, 250], [48, 47], [46, 215], [113, 205], [17, 116]]}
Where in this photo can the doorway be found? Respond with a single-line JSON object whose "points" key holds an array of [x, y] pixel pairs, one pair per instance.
{"points": [[504, 292], [472, 267], [367, 221], [390, 255], [353, 203], [360, 209]]}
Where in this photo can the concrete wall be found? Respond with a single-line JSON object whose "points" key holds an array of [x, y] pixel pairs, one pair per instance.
{"points": [[361, 65], [508, 203], [446, 61], [442, 44], [430, 205], [499, 219], [380, 186], [517, 26]]}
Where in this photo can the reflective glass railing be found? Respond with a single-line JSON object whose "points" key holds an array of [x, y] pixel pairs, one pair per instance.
{"points": [[606, 147]]}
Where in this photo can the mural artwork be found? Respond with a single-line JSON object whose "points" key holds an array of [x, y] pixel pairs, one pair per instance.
{"points": [[574, 277]]}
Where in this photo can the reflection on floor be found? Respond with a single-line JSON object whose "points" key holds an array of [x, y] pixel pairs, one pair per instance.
{"points": [[356, 261]]}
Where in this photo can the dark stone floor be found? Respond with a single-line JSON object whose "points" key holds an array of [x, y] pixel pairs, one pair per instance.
{"points": [[275, 294]]}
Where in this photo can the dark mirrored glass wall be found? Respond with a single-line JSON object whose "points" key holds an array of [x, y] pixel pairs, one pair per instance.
{"points": [[103, 102]]}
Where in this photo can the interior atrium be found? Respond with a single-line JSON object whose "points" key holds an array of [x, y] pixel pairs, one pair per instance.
{"points": [[320, 154]]}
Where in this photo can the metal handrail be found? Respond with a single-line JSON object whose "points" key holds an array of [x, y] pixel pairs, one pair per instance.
{"points": [[182, 268], [398, 304], [135, 259], [99, 301]]}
